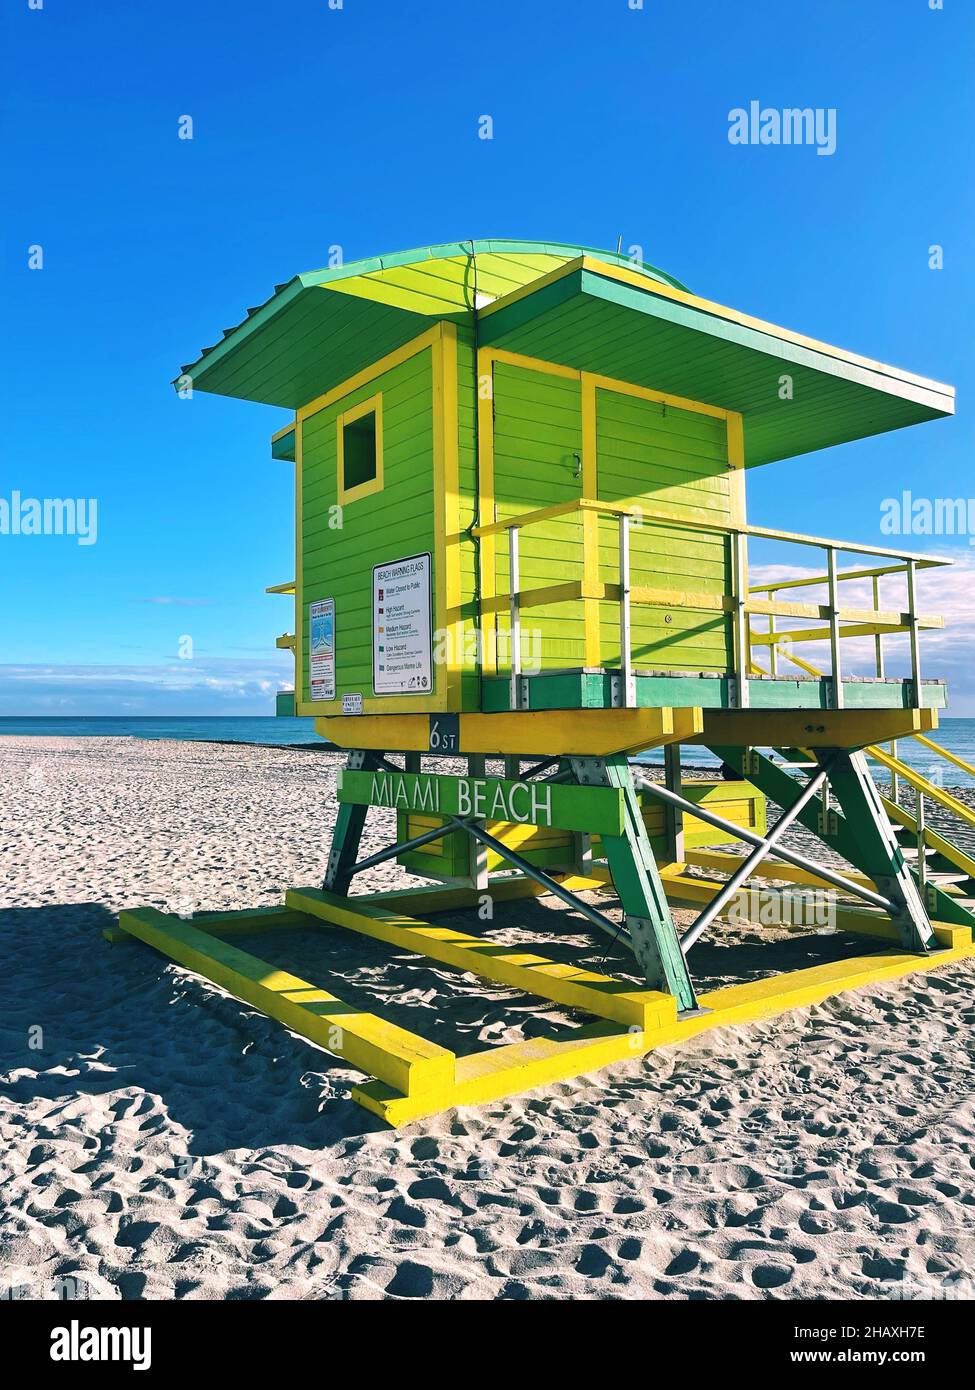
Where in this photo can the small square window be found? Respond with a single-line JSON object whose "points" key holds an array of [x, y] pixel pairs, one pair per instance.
{"points": [[360, 451]]}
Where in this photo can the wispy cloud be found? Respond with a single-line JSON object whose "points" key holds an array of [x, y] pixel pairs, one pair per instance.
{"points": [[178, 602], [217, 685], [945, 652]]}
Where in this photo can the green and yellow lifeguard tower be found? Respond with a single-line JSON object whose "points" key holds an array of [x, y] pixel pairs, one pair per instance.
{"points": [[521, 560]]}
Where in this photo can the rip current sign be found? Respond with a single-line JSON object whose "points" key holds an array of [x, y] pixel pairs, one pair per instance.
{"points": [[445, 733], [321, 643], [402, 659]]}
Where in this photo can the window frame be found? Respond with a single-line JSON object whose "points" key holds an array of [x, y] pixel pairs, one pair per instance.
{"points": [[373, 405]]}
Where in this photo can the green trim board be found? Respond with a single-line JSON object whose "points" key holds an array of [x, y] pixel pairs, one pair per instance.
{"points": [[594, 809], [283, 444], [595, 690]]}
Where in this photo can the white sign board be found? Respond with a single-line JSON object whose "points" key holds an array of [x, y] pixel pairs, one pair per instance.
{"points": [[401, 654], [321, 649]]}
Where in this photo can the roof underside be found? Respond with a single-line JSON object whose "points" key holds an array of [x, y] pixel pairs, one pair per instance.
{"points": [[325, 325], [594, 311], [680, 346]]}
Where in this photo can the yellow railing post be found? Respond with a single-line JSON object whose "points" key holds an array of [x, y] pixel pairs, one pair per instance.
{"points": [[742, 653], [914, 631], [834, 629], [514, 608], [881, 673], [627, 693]]}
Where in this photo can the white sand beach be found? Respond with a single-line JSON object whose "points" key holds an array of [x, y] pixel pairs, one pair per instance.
{"points": [[161, 1140]]}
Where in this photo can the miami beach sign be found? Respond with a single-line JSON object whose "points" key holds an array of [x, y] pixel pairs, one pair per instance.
{"points": [[598, 810]]}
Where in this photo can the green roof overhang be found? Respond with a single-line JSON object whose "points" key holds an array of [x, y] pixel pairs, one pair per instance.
{"points": [[596, 319], [322, 327]]}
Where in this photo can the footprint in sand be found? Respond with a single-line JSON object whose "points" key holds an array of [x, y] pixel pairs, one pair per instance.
{"points": [[411, 1281], [401, 1211], [770, 1276]]}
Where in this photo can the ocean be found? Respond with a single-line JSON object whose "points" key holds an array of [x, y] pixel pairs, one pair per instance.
{"points": [[208, 728], [956, 735]]}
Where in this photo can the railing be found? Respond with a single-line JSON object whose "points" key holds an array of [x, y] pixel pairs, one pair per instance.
{"points": [[741, 603], [777, 641], [924, 789], [899, 771]]}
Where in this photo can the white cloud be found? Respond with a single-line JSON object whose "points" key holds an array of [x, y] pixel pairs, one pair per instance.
{"points": [[217, 685], [946, 654]]}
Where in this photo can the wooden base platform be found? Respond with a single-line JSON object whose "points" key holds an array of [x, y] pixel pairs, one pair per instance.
{"points": [[415, 1078]]}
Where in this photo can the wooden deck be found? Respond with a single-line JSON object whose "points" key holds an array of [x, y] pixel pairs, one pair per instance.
{"points": [[581, 689]]}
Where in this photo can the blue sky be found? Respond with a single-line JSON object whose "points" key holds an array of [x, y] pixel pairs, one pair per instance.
{"points": [[358, 126]]}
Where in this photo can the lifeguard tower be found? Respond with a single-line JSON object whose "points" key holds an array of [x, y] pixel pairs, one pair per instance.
{"points": [[521, 561]]}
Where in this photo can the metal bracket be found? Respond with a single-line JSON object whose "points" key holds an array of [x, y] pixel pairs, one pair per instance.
{"points": [[588, 772], [622, 691]]}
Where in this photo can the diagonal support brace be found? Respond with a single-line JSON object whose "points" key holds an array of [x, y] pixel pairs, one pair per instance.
{"points": [[877, 852], [349, 825], [636, 879], [862, 834]]}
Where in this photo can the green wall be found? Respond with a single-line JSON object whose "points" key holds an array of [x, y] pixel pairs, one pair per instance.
{"points": [[337, 561], [538, 463], [675, 461]]}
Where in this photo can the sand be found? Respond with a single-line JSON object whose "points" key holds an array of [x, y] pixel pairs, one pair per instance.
{"points": [[161, 1140]]}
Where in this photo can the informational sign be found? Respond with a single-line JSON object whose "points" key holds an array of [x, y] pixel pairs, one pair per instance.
{"points": [[352, 703], [401, 648], [321, 649]]}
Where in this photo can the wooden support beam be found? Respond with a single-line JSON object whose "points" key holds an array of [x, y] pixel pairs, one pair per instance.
{"points": [[875, 849], [587, 990], [416, 1079], [783, 728], [452, 898], [542, 733], [503, 1071], [771, 868], [401, 1059], [637, 881], [862, 834]]}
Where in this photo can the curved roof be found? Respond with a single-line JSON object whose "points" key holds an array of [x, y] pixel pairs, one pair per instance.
{"points": [[593, 311], [282, 348]]}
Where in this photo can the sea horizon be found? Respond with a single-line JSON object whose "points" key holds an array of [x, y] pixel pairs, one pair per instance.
{"points": [[957, 736]]}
